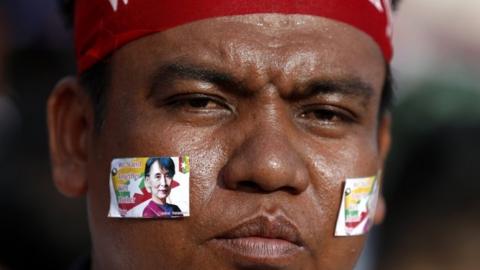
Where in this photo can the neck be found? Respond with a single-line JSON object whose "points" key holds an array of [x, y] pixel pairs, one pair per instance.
{"points": [[159, 201]]}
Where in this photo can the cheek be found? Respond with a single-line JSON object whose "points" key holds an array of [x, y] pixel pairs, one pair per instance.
{"points": [[121, 137], [330, 163]]}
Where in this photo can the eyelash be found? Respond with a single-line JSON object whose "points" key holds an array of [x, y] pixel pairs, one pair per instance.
{"points": [[188, 100], [322, 114], [329, 113]]}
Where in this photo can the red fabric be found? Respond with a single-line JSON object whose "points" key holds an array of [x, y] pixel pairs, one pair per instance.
{"points": [[100, 30], [140, 198]]}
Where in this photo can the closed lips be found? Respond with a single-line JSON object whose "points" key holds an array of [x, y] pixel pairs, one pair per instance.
{"points": [[262, 240]]}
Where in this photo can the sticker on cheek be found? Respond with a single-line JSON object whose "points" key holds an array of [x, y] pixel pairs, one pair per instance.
{"points": [[357, 209], [150, 187]]}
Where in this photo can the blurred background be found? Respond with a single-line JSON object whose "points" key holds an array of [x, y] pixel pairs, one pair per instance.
{"points": [[40, 229], [432, 180]]}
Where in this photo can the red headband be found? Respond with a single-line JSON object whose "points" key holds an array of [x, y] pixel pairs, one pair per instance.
{"points": [[103, 26]]}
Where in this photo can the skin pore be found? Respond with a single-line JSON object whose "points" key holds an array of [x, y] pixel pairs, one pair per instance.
{"points": [[275, 112]]}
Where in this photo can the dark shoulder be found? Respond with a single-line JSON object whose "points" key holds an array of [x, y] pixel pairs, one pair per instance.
{"points": [[174, 207], [176, 212], [82, 263]]}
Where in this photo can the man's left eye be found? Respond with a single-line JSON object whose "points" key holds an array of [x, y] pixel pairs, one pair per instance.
{"points": [[327, 115], [204, 103]]}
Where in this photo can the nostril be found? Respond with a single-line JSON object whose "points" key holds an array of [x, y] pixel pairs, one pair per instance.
{"points": [[252, 186], [249, 186]]}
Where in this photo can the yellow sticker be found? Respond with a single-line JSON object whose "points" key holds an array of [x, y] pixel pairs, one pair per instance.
{"points": [[357, 208]]}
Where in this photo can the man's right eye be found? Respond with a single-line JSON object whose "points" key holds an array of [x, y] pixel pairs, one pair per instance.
{"points": [[201, 103], [196, 102]]}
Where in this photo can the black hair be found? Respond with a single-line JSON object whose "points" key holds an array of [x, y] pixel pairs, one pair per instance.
{"points": [[96, 79], [164, 162]]}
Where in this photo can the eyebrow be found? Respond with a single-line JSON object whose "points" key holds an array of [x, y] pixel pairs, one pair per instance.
{"points": [[349, 85], [170, 72]]}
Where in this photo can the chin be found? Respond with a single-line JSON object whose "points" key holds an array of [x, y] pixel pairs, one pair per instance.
{"points": [[161, 197]]}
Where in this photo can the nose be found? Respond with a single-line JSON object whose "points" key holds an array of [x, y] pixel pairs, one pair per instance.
{"points": [[266, 161], [162, 181]]}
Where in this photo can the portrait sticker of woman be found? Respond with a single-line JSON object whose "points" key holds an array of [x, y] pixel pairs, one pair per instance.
{"points": [[150, 187], [159, 174]]}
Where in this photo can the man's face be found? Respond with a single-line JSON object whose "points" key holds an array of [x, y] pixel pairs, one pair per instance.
{"points": [[159, 182], [275, 112]]}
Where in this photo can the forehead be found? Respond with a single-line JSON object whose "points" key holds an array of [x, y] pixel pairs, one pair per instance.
{"points": [[157, 167], [260, 47]]}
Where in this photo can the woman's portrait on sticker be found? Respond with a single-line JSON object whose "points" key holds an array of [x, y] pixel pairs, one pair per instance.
{"points": [[159, 174], [149, 187]]}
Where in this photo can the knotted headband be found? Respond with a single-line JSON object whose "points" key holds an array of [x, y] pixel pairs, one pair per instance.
{"points": [[103, 26]]}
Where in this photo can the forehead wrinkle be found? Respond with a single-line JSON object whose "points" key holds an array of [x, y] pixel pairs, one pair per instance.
{"points": [[268, 50], [267, 59], [298, 65], [245, 60], [276, 58], [268, 54]]}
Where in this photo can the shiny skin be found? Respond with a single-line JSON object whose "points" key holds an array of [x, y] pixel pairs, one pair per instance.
{"points": [[260, 146]]}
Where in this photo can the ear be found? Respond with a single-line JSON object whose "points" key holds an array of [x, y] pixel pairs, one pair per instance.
{"points": [[384, 141], [380, 211], [70, 124], [384, 137]]}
